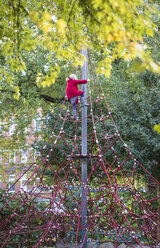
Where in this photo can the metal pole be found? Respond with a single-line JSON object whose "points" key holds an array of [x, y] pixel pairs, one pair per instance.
{"points": [[84, 152]]}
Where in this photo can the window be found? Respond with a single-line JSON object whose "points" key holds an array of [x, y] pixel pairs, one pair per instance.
{"points": [[5, 157], [12, 157], [36, 154], [24, 156], [26, 129], [12, 127], [11, 181], [11, 177], [18, 155], [0, 157], [0, 128], [22, 182], [25, 124], [3, 128], [37, 124]]}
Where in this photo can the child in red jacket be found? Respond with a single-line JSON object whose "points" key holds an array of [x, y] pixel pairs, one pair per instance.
{"points": [[73, 92]]}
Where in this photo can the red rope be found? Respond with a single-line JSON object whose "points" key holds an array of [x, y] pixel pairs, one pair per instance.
{"points": [[115, 206]]}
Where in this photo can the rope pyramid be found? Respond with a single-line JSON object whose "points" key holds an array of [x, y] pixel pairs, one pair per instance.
{"points": [[116, 210]]}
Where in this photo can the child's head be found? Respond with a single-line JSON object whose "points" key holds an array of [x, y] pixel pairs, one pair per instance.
{"points": [[73, 76]]}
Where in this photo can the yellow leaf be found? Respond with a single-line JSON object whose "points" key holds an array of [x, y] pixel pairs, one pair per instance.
{"points": [[39, 76], [34, 16], [43, 83], [17, 92], [109, 38], [16, 89], [125, 56], [46, 27], [157, 128], [115, 4], [97, 3], [46, 17], [61, 26]]}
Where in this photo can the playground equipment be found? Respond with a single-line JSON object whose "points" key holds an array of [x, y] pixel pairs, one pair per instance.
{"points": [[92, 195]]}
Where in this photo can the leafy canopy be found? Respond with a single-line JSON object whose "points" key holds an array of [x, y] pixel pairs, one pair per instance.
{"points": [[115, 27], [40, 40]]}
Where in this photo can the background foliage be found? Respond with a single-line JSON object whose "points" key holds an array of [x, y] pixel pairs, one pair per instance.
{"points": [[40, 45]]}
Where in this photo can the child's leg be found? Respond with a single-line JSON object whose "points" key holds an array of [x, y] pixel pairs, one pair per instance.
{"points": [[73, 101], [74, 106], [82, 98], [74, 110], [83, 101]]}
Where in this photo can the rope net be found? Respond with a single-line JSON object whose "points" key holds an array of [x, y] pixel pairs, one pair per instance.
{"points": [[117, 211]]}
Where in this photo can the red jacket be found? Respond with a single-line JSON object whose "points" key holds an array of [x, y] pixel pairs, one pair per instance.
{"points": [[72, 87]]}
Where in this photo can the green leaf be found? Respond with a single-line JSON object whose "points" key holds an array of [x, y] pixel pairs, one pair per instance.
{"points": [[157, 128]]}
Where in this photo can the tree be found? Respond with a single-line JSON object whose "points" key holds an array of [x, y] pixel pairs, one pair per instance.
{"points": [[32, 98], [39, 37], [41, 42], [63, 27]]}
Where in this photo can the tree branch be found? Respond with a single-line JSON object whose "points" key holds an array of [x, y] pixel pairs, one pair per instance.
{"points": [[51, 99], [46, 98]]}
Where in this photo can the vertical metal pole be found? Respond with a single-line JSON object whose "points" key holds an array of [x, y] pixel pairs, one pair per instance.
{"points": [[84, 152]]}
